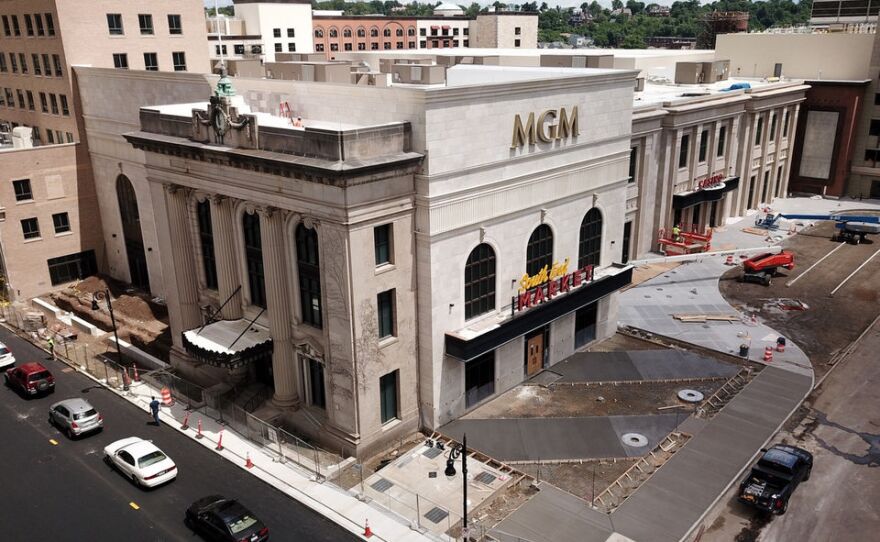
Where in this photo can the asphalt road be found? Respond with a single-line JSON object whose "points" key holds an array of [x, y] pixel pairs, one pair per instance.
{"points": [[66, 491], [842, 497]]}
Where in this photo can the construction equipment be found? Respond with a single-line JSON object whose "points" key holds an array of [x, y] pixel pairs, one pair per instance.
{"points": [[762, 268], [687, 242], [852, 228]]}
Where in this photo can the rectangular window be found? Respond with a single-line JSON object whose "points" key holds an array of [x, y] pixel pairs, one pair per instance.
{"points": [[317, 394], [875, 127], [61, 222], [47, 69], [30, 99], [29, 25], [291, 47], [59, 137], [6, 30], [455, 31], [22, 188], [3, 66], [44, 104], [238, 48], [785, 124], [30, 227], [206, 236], [278, 47], [347, 46], [114, 24], [69, 137], [722, 141], [385, 302], [35, 59], [145, 21], [23, 60], [382, 241], [13, 61], [38, 19], [20, 95], [72, 267], [388, 396], [683, 151], [53, 101], [633, 159], [50, 24], [704, 145], [291, 33], [10, 100], [179, 61], [870, 155], [151, 62], [423, 44], [16, 29], [516, 43], [120, 61], [373, 46], [335, 46], [422, 31], [276, 32], [517, 30], [479, 379], [50, 137], [773, 127], [56, 60], [362, 46], [65, 110], [174, 25], [759, 131], [877, 99]]}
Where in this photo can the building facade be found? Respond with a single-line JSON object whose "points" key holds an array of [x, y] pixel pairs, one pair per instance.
{"points": [[283, 26]]}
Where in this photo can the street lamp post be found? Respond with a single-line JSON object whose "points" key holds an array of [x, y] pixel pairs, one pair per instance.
{"points": [[105, 295], [454, 453]]}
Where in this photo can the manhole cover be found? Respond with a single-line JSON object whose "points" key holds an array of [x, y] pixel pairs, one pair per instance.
{"points": [[690, 396], [485, 478], [381, 485], [636, 440], [436, 514], [431, 453]]}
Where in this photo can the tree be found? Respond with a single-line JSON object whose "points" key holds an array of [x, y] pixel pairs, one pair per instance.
{"points": [[616, 4], [472, 10]]}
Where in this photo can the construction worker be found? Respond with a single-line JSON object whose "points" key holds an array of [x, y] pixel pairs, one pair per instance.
{"points": [[51, 344], [676, 233]]}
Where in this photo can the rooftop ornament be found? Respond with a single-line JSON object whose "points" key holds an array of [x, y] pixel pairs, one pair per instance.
{"points": [[224, 85]]}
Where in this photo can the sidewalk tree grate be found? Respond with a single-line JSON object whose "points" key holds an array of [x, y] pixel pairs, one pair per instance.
{"points": [[431, 453], [436, 514], [485, 478], [381, 485]]}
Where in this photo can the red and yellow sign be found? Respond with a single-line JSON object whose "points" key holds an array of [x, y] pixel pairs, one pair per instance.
{"points": [[550, 282], [710, 182]]}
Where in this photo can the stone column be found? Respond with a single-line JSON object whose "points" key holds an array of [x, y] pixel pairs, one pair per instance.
{"points": [[224, 252], [792, 127], [182, 253], [278, 305]]}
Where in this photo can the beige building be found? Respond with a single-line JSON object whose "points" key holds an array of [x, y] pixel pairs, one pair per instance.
{"points": [[864, 180], [505, 30], [39, 41]]}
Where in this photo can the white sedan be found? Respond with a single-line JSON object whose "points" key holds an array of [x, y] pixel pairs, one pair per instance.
{"points": [[141, 461], [7, 360]]}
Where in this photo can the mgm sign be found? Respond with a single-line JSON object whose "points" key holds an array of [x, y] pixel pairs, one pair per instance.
{"points": [[550, 126]]}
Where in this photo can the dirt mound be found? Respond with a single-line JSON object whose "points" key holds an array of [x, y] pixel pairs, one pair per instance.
{"points": [[91, 285], [134, 308]]}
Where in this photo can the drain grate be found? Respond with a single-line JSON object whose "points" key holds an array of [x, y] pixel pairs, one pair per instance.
{"points": [[381, 485], [431, 453], [485, 478], [436, 514]]}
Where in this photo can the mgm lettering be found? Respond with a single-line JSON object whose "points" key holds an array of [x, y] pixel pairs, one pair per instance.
{"points": [[545, 129]]}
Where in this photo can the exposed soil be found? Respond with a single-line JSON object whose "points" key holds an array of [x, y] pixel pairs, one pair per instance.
{"points": [[562, 401], [351, 476], [830, 324], [577, 478], [622, 342], [503, 504]]}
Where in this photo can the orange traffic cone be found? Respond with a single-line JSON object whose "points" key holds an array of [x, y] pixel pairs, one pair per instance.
{"points": [[249, 464], [136, 377], [367, 531], [729, 260], [220, 442], [768, 354], [166, 397]]}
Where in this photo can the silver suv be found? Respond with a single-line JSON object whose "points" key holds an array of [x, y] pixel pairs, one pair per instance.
{"points": [[75, 417]]}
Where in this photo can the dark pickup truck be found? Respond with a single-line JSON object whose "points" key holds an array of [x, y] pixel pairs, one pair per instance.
{"points": [[774, 478]]}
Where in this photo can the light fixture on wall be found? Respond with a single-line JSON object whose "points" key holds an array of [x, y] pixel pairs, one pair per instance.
{"points": [[543, 215]]}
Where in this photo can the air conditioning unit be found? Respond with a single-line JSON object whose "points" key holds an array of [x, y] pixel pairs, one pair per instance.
{"points": [[256, 49]]}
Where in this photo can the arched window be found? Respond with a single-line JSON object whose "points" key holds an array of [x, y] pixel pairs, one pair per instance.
{"points": [[479, 282], [539, 251], [346, 33], [374, 32], [361, 33], [334, 33], [131, 232], [206, 240], [253, 254], [411, 31], [387, 32], [590, 245], [399, 32], [319, 33], [309, 275]]}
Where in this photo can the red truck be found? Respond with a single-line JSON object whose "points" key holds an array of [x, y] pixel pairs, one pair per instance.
{"points": [[30, 379], [762, 268]]}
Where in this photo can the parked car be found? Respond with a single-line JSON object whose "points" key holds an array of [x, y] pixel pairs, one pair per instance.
{"points": [[219, 518], [774, 478], [141, 461], [75, 417], [30, 379], [7, 360]]}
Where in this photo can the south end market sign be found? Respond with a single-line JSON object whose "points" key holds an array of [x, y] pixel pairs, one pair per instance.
{"points": [[545, 129], [550, 282]]}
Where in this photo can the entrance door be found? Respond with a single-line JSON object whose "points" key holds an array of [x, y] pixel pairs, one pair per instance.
{"points": [[713, 212], [534, 354], [875, 190], [263, 370], [585, 325], [479, 378], [137, 264], [627, 234], [317, 396]]}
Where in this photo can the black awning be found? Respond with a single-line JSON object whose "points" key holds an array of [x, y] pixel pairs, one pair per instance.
{"points": [[226, 360], [539, 316], [680, 201]]}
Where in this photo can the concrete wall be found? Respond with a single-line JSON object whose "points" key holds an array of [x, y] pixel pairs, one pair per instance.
{"points": [[804, 56]]}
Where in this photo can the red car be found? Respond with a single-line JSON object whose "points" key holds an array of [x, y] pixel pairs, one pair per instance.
{"points": [[30, 379]]}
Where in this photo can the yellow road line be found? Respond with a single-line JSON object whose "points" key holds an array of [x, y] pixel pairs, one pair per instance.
{"points": [[134, 505], [53, 442]]}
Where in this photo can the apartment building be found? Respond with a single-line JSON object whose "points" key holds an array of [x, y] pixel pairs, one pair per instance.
{"points": [[260, 29], [49, 221]]}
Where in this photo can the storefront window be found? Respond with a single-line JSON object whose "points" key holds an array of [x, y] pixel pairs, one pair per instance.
{"points": [[479, 379], [479, 282], [590, 245], [539, 251]]}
